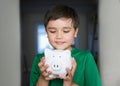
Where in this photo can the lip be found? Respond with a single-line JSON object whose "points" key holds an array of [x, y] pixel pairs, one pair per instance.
{"points": [[59, 42]]}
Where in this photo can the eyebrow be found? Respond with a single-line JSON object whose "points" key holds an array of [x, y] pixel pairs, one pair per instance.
{"points": [[51, 28], [66, 27], [54, 28]]}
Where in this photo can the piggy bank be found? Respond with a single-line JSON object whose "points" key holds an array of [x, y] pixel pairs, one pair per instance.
{"points": [[58, 61]]}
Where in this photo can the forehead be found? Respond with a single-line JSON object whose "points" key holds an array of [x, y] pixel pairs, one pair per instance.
{"points": [[66, 19], [60, 21]]}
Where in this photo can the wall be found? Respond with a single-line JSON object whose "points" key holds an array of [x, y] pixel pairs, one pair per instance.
{"points": [[9, 43], [29, 37], [109, 42], [82, 38]]}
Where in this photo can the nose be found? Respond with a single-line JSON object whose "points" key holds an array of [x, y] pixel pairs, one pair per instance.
{"points": [[59, 35], [56, 66]]}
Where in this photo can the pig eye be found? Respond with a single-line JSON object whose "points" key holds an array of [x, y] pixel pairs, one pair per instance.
{"points": [[53, 56], [59, 56]]}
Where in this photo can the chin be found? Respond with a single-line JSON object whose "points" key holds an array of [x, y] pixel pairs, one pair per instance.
{"points": [[60, 48]]}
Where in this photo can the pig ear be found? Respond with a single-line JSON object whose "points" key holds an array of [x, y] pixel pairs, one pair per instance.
{"points": [[67, 51], [47, 52]]}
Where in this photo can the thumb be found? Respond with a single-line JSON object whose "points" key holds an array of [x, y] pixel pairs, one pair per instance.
{"points": [[74, 64]]}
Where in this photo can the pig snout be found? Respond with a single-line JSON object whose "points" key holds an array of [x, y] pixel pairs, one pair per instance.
{"points": [[56, 66]]}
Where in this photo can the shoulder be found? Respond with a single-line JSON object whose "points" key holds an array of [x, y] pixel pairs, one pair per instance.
{"points": [[36, 61], [37, 58], [81, 53], [82, 56]]}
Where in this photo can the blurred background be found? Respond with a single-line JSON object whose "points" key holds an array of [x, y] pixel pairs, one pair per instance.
{"points": [[22, 32]]}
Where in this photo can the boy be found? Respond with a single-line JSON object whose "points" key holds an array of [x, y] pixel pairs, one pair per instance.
{"points": [[61, 23]]}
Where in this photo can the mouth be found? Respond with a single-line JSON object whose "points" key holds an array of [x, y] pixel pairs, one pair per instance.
{"points": [[59, 42]]}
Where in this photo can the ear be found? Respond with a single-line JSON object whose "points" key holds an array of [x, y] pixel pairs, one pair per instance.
{"points": [[68, 52], [47, 52], [76, 32]]}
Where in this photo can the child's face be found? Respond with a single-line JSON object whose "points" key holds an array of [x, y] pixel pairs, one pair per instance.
{"points": [[61, 33]]}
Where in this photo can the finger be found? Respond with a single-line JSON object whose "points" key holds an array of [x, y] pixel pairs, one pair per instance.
{"points": [[61, 77], [43, 58], [42, 62], [48, 78], [45, 73], [74, 64], [43, 68], [69, 73], [66, 78]]}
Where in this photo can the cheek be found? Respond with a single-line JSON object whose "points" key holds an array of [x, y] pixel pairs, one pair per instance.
{"points": [[50, 37], [70, 38]]}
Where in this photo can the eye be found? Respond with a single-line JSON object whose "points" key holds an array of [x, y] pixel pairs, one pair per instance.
{"points": [[66, 31], [52, 31], [53, 56], [59, 56]]}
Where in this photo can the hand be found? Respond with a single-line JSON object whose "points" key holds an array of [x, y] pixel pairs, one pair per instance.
{"points": [[43, 68], [70, 73]]}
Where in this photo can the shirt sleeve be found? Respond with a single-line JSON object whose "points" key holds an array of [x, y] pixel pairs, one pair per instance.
{"points": [[92, 77], [35, 72]]}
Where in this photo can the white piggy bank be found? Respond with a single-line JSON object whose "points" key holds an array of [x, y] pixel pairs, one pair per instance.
{"points": [[58, 61]]}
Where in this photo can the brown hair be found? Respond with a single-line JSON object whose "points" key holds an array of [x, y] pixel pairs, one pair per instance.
{"points": [[61, 11]]}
